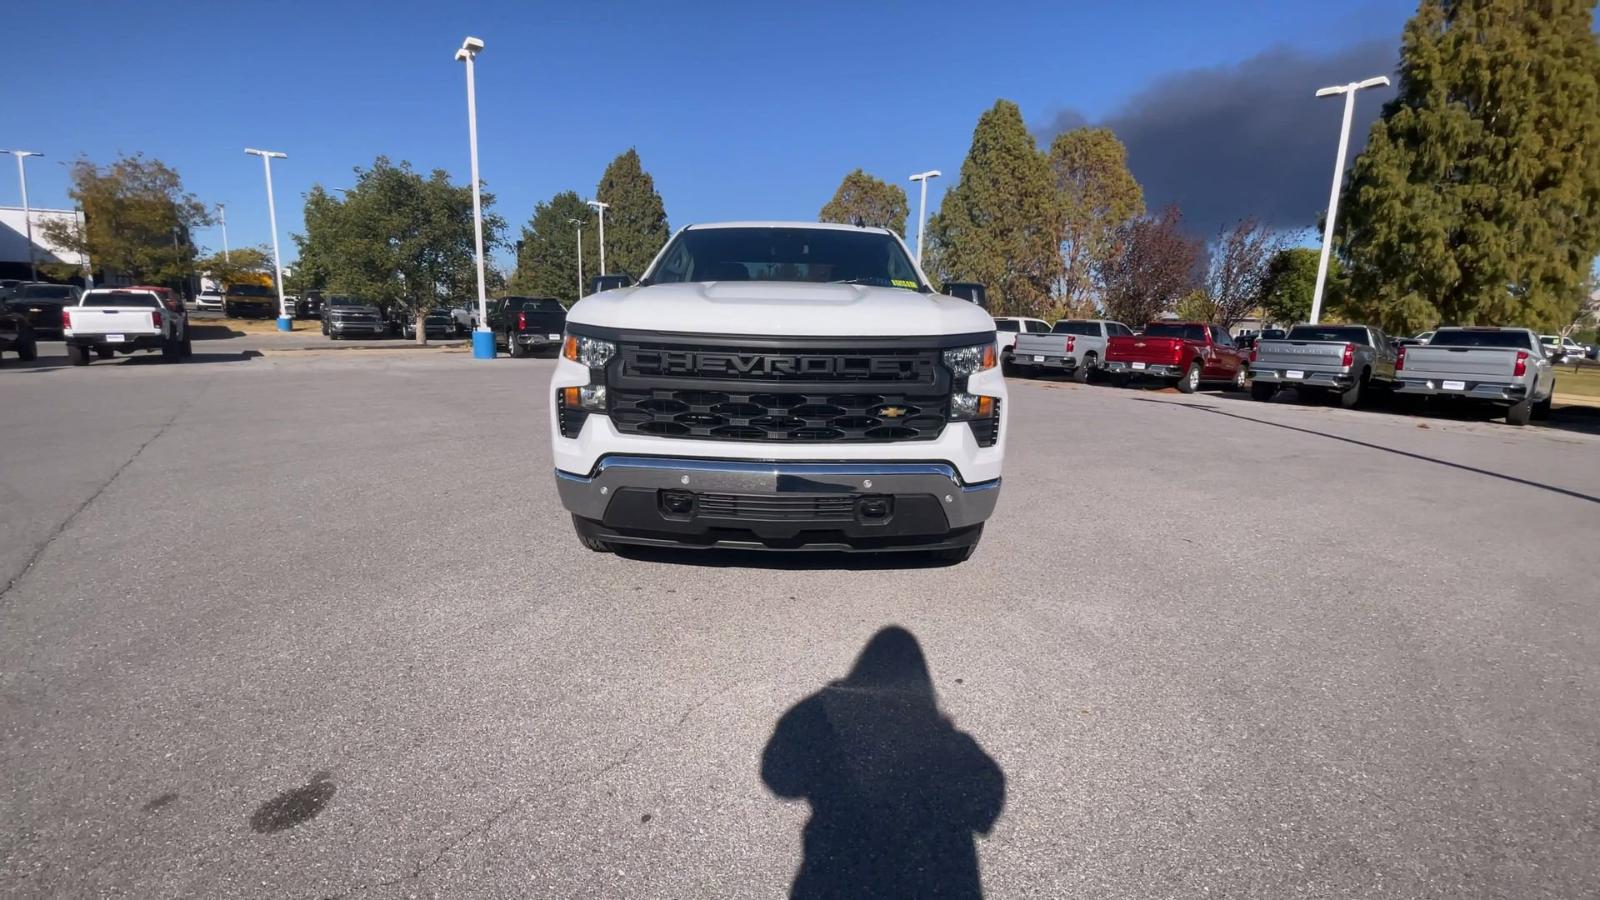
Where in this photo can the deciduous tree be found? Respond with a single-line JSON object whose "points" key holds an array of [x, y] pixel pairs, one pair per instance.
{"points": [[864, 200], [547, 255], [1151, 266], [1096, 194], [398, 238], [137, 219], [232, 267], [1237, 277], [998, 225], [1477, 200], [636, 223]]}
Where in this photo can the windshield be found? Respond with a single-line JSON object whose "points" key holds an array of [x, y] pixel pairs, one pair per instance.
{"points": [[46, 291], [1084, 328], [345, 301], [1452, 337], [1335, 333], [120, 298], [811, 255], [251, 290], [524, 304], [1186, 332]]}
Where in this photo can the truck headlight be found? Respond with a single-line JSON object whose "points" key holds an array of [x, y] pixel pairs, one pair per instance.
{"points": [[964, 361], [591, 352], [965, 406]]}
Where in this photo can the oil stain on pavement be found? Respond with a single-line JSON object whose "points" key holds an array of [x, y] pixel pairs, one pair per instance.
{"points": [[293, 807]]}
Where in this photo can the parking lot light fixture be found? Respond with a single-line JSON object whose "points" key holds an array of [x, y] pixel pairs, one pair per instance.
{"points": [[222, 217], [601, 208], [27, 213], [922, 207], [285, 320], [1349, 91], [483, 337], [579, 223]]}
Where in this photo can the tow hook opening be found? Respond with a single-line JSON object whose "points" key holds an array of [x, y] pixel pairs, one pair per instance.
{"points": [[677, 504]]}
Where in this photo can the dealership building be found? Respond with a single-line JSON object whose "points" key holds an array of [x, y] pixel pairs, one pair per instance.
{"points": [[16, 260]]}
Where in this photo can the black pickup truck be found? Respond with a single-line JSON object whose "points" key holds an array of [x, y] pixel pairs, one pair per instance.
{"points": [[41, 305], [16, 335], [527, 325]]}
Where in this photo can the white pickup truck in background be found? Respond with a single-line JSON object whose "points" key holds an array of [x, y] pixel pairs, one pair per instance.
{"points": [[107, 322]]}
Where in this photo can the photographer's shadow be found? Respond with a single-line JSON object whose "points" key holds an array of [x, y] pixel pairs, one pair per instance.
{"points": [[896, 792]]}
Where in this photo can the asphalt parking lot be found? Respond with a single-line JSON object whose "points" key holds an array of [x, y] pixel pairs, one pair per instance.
{"points": [[314, 625]]}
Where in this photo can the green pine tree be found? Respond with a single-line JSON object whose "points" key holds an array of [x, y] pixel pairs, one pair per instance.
{"points": [[547, 254], [636, 222], [1477, 200], [864, 200], [999, 224]]}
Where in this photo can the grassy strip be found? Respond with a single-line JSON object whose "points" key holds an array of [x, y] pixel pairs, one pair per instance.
{"points": [[1584, 383]]}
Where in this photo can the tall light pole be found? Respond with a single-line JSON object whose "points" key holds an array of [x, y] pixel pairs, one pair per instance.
{"points": [[579, 223], [27, 212], [483, 338], [922, 208], [602, 207], [222, 214], [1349, 92], [285, 321]]}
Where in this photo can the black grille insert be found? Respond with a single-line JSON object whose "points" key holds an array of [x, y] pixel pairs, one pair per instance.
{"points": [[813, 390]]}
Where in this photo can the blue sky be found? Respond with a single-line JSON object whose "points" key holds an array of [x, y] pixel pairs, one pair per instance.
{"points": [[738, 110]]}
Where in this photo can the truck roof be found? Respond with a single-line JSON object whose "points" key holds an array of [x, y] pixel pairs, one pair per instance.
{"points": [[830, 226]]}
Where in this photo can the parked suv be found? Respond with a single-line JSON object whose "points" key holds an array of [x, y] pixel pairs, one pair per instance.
{"points": [[782, 386]]}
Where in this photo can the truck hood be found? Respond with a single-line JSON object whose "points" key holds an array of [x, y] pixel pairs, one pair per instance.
{"points": [[785, 309]]}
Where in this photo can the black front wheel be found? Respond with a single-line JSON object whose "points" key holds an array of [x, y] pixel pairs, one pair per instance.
{"points": [[1519, 413]]}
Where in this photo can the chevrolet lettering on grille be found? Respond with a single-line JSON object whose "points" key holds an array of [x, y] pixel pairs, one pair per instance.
{"points": [[644, 361]]}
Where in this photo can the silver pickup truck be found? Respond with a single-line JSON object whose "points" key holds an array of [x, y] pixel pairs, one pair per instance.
{"points": [[1504, 366], [1345, 360], [1075, 346]]}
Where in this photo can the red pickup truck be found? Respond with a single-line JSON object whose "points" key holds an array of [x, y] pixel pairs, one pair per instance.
{"points": [[1185, 354]]}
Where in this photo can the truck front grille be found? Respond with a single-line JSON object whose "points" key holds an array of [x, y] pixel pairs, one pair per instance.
{"points": [[779, 416], [792, 390]]}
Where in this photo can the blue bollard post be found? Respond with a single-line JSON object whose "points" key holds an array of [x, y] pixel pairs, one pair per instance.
{"points": [[285, 323], [483, 345]]}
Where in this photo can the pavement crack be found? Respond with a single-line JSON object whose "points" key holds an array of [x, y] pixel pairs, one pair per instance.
{"points": [[60, 529]]}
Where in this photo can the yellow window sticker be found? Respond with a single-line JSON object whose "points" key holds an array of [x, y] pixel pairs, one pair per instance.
{"points": [[903, 283]]}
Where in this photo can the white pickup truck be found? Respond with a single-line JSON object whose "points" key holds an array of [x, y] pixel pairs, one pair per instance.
{"points": [[779, 386], [1503, 366], [111, 321]]}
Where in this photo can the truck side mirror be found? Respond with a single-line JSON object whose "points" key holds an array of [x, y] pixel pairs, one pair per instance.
{"points": [[970, 291], [609, 282]]}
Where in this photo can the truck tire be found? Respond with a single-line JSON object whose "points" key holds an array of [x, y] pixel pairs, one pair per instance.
{"points": [[1190, 382], [186, 346], [1519, 413], [27, 346], [514, 349], [1541, 409], [1085, 369], [1263, 390], [79, 354], [170, 350], [1348, 399], [1240, 379], [594, 544]]}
